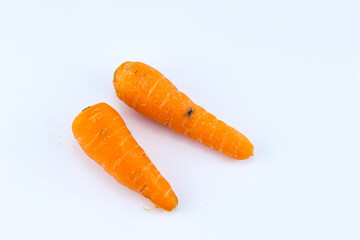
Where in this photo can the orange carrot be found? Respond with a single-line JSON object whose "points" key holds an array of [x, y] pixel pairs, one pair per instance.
{"points": [[104, 137], [147, 91]]}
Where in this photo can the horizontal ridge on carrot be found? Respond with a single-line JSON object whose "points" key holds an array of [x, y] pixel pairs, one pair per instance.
{"points": [[103, 135], [150, 93]]}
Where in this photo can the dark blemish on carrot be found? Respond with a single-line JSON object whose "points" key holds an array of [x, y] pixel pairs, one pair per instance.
{"points": [[136, 71], [138, 176], [85, 108], [189, 112], [144, 154], [144, 74], [143, 187], [103, 131], [106, 139]]}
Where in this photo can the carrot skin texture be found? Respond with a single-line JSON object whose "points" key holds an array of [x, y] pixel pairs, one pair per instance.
{"points": [[146, 90], [103, 135]]}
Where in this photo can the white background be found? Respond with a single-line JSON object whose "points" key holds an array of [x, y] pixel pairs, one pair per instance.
{"points": [[285, 73]]}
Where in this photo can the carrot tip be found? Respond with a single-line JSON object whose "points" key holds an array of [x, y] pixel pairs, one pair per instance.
{"points": [[166, 210]]}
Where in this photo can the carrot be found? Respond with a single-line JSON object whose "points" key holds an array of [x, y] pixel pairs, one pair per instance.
{"points": [[150, 93], [104, 137]]}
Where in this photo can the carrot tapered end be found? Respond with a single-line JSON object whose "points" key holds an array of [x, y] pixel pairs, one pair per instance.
{"points": [[245, 150], [171, 203]]}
